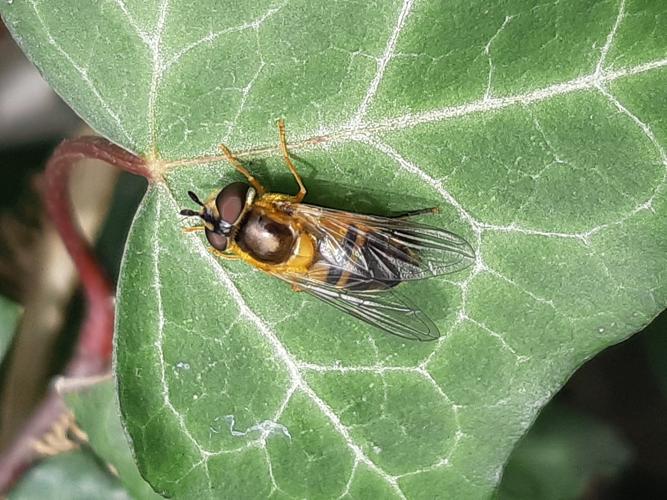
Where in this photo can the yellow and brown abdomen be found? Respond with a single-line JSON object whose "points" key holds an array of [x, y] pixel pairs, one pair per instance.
{"points": [[356, 260]]}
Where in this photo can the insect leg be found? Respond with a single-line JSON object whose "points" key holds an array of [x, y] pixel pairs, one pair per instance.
{"points": [[415, 213], [238, 166], [283, 148], [223, 255], [193, 229]]}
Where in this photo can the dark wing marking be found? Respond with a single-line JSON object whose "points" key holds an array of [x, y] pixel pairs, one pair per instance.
{"points": [[387, 309], [387, 249]]}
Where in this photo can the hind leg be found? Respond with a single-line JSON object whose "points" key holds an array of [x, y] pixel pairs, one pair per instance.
{"points": [[283, 148], [415, 213]]}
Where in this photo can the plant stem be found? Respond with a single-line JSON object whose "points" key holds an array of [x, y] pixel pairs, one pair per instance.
{"points": [[92, 355]]}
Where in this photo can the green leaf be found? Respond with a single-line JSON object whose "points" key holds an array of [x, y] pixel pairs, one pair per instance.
{"points": [[70, 476], [562, 455], [10, 313], [97, 413], [538, 129]]}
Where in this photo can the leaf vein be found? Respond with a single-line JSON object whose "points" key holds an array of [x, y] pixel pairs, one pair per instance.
{"points": [[143, 35], [487, 52], [159, 341], [156, 74], [382, 64], [610, 39], [83, 73]]}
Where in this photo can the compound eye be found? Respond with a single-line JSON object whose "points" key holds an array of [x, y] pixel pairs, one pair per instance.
{"points": [[231, 200], [217, 241]]}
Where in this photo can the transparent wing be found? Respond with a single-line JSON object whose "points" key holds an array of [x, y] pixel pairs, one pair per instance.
{"points": [[385, 309], [384, 249]]}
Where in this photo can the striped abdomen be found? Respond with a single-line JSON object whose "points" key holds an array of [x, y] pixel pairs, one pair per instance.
{"points": [[361, 260]]}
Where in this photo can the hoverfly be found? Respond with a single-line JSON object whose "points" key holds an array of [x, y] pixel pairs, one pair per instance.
{"points": [[349, 260]]}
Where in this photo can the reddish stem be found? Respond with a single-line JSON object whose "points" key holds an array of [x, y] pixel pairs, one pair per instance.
{"points": [[92, 355]]}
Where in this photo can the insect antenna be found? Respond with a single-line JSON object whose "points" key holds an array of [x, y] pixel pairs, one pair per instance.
{"points": [[195, 198]]}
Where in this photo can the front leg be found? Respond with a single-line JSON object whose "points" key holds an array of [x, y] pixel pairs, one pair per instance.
{"points": [[238, 166], [223, 255], [193, 229]]}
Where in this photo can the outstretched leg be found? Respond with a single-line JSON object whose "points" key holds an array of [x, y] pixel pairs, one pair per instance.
{"points": [[283, 147], [415, 213], [238, 166]]}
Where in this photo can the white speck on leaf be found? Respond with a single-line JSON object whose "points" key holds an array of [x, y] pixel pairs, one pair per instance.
{"points": [[266, 427]]}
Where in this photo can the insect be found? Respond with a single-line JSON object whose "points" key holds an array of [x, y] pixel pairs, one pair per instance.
{"points": [[349, 260]]}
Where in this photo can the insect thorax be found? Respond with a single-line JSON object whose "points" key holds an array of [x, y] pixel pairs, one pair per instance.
{"points": [[265, 239]]}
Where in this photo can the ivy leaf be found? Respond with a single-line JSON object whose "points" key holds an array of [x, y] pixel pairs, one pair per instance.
{"points": [[538, 129]]}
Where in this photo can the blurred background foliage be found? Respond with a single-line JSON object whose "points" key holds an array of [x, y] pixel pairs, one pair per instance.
{"points": [[602, 437]]}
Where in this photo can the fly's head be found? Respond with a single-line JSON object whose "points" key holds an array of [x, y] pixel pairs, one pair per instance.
{"points": [[222, 215]]}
